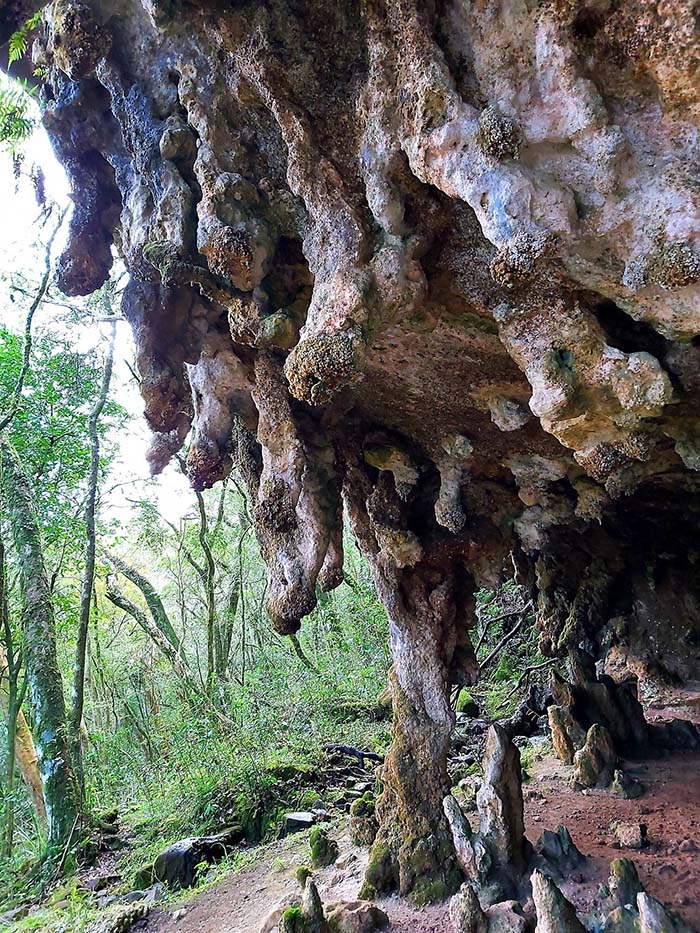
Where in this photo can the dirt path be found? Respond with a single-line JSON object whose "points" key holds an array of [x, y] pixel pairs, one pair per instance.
{"points": [[669, 867]]}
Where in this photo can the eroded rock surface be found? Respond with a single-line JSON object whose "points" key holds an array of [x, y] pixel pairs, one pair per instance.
{"points": [[440, 259]]}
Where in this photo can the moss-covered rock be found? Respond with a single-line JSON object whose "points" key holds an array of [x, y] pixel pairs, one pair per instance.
{"points": [[466, 704], [324, 850]]}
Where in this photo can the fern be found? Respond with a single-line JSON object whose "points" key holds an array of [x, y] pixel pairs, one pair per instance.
{"points": [[17, 46]]}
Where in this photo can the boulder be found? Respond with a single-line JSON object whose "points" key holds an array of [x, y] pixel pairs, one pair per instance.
{"points": [[506, 917], [567, 735], [466, 913], [324, 850], [626, 786], [621, 920], [298, 821], [595, 762], [629, 835], [363, 821], [554, 913], [176, 866], [271, 922], [466, 704], [559, 850], [312, 908], [624, 883], [500, 800], [355, 917], [462, 837]]}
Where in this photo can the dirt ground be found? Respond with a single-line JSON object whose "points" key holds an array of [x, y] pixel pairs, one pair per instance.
{"points": [[669, 866]]}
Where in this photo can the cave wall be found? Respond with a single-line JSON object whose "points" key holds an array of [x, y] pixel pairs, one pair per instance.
{"points": [[439, 258]]}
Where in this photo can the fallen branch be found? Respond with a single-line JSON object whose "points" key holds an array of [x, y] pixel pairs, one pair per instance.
{"points": [[353, 752]]}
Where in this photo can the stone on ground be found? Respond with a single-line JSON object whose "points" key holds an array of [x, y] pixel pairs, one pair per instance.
{"points": [[500, 800], [176, 866], [559, 850], [466, 913], [312, 909], [324, 850], [554, 913], [363, 820], [506, 917], [628, 834], [595, 762], [298, 821], [626, 786], [621, 920], [654, 918], [567, 734], [624, 883], [355, 917]]}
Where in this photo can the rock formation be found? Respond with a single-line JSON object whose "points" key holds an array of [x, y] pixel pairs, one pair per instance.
{"points": [[439, 261]]}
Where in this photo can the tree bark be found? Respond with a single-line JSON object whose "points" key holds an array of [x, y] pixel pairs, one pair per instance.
{"points": [[25, 754], [61, 791], [178, 664], [155, 605], [88, 580]]}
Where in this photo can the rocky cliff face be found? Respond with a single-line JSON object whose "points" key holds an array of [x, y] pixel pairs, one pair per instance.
{"points": [[440, 259]]}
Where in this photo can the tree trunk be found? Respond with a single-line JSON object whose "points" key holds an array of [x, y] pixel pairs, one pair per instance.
{"points": [[214, 647], [61, 791], [153, 601], [88, 580], [23, 749]]}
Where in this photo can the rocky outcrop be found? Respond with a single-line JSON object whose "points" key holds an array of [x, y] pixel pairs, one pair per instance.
{"points": [[554, 913], [500, 801], [177, 865], [440, 259]]}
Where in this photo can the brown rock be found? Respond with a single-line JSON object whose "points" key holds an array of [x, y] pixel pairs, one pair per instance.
{"points": [[466, 913], [629, 835], [554, 913], [500, 800], [355, 917], [595, 762]]}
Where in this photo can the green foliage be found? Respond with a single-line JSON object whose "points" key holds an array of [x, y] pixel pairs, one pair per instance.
{"points": [[17, 45], [16, 122]]}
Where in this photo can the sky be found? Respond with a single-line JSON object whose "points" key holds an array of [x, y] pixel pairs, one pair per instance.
{"points": [[19, 231]]}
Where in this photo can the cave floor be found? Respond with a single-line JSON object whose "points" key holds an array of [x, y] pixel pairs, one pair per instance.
{"points": [[669, 867]]}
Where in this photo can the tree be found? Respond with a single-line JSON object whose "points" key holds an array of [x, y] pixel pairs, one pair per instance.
{"points": [[61, 790]]}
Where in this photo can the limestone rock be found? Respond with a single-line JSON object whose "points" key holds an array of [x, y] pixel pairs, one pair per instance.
{"points": [[622, 920], [628, 834], [624, 883], [312, 908], [355, 917], [500, 800], [567, 735], [595, 762], [348, 226], [363, 820], [554, 913], [506, 917], [653, 918], [626, 786], [466, 913], [324, 850], [559, 850], [298, 821]]}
